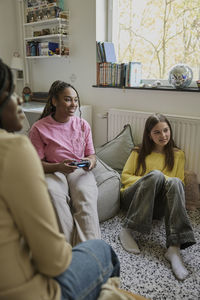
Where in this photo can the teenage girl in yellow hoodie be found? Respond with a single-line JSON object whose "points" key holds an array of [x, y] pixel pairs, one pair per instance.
{"points": [[152, 188]]}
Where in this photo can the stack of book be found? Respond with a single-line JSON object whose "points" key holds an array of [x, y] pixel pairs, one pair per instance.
{"points": [[105, 52], [34, 48], [111, 73], [120, 75]]}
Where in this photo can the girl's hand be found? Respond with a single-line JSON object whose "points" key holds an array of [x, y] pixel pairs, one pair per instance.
{"points": [[64, 167], [92, 159]]}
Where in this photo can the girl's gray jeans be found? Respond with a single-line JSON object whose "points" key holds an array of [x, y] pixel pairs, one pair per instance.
{"points": [[154, 197]]}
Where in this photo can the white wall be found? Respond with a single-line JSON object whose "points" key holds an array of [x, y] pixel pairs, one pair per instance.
{"points": [[8, 30], [80, 70], [101, 20]]}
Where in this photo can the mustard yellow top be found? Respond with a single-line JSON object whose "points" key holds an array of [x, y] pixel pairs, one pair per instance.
{"points": [[154, 161], [32, 250]]}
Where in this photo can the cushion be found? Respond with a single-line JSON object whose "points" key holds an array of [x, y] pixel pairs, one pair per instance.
{"points": [[192, 195], [116, 152], [108, 182]]}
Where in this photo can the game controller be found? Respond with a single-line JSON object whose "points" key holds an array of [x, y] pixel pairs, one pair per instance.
{"points": [[80, 164]]}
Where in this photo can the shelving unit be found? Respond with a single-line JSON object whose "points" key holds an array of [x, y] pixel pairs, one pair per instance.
{"points": [[45, 23], [37, 42]]}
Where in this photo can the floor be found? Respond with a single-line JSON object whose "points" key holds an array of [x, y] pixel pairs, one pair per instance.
{"points": [[149, 273]]}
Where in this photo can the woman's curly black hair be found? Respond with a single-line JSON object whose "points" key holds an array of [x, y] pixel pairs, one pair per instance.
{"points": [[6, 85], [56, 87]]}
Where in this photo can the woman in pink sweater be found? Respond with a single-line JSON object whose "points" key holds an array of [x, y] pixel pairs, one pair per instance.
{"points": [[60, 138]]}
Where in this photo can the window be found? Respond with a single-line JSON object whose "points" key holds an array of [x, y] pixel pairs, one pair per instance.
{"points": [[157, 33]]}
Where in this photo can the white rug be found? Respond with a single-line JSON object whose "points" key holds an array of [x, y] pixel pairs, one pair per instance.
{"points": [[149, 273]]}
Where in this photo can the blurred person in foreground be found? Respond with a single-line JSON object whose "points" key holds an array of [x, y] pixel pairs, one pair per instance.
{"points": [[36, 261]]}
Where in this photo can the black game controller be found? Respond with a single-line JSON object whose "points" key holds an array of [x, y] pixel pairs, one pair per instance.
{"points": [[80, 164]]}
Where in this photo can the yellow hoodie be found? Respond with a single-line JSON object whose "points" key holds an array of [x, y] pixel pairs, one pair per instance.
{"points": [[154, 161]]}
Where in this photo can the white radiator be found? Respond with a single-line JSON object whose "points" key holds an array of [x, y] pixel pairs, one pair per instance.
{"points": [[186, 132]]}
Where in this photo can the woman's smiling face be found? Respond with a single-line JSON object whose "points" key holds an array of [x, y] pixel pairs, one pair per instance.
{"points": [[66, 104], [12, 115]]}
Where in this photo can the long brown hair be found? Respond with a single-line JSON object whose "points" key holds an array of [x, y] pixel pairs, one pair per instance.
{"points": [[56, 88], [147, 145]]}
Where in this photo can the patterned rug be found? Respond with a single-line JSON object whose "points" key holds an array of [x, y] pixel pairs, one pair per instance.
{"points": [[149, 273]]}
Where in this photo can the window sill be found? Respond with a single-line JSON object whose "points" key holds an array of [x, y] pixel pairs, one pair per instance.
{"points": [[161, 88]]}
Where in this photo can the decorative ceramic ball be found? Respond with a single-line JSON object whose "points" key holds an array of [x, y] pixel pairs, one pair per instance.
{"points": [[180, 76]]}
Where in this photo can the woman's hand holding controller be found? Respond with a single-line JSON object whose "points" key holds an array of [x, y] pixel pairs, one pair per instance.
{"points": [[65, 167]]}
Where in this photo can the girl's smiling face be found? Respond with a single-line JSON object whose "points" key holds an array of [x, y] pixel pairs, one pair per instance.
{"points": [[160, 135]]}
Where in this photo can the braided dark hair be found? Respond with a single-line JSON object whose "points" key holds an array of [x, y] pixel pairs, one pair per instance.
{"points": [[54, 91], [6, 85]]}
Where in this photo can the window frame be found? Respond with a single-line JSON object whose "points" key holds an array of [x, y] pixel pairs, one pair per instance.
{"points": [[112, 10]]}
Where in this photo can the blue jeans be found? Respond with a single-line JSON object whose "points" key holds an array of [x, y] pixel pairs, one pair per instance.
{"points": [[93, 262], [153, 197]]}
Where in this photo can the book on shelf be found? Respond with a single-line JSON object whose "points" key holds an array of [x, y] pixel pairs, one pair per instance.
{"points": [[118, 74], [99, 51], [109, 52], [135, 74], [109, 74], [123, 74], [105, 52], [126, 83]]}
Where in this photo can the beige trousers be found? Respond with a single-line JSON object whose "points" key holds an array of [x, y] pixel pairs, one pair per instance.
{"points": [[74, 197]]}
